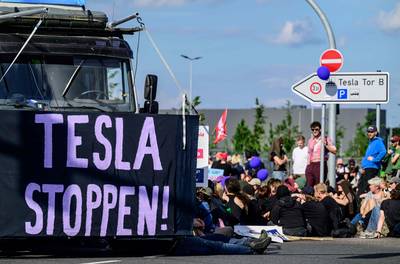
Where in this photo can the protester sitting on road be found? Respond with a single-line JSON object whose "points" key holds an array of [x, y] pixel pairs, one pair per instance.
{"points": [[267, 197], [333, 209], [203, 211], [390, 214], [371, 207], [288, 214], [345, 198], [342, 172], [236, 201], [314, 212], [354, 173], [217, 244], [393, 183], [253, 216], [292, 185]]}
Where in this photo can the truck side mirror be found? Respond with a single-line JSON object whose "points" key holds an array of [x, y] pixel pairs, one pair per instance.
{"points": [[150, 87]]}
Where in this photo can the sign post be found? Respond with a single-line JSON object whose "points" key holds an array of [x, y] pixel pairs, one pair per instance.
{"points": [[345, 88]]}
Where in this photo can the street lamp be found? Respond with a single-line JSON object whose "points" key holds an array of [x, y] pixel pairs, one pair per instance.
{"points": [[190, 77]]}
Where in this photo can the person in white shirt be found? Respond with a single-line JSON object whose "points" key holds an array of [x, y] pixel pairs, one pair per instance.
{"points": [[299, 158]]}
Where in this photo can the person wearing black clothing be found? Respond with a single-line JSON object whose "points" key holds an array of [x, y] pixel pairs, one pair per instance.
{"points": [[236, 201], [316, 216], [253, 216], [390, 213], [333, 209], [288, 214]]}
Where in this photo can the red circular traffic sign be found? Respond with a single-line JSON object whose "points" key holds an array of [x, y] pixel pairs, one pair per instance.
{"points": [[315, 88], [332, 59]]}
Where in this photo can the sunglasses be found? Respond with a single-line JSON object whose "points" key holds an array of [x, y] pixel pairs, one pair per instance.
{"points": [[314, 129], [369, 132]]}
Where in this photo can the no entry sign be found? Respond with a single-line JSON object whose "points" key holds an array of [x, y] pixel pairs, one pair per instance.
{"points": [[332, 59]]}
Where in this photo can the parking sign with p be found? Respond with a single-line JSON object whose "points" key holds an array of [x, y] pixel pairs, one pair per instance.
{"points": [[342, 94]]}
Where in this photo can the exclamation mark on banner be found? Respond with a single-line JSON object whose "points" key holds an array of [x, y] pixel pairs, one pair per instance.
{"points": [[165, 202]]}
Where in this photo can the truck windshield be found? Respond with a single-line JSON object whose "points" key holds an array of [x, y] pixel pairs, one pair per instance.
{"points": [[68, 81]]}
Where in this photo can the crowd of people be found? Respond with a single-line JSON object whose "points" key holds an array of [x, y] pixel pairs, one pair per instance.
{"points": [[365, 202]]}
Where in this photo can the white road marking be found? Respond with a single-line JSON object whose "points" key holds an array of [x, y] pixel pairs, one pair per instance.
{"points": [[103, 262]]}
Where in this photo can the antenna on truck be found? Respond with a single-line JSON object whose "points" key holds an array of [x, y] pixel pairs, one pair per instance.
{"points": [[18, 14], [113, 24]]}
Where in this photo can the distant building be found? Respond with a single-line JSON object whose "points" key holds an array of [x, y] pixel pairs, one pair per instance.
{"points": [[348, 118]]}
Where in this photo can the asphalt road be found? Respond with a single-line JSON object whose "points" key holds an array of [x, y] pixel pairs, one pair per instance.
{"points": [[336, 251]]}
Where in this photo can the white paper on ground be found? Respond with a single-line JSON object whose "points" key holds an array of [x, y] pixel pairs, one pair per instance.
{"points": [[275, 232]]}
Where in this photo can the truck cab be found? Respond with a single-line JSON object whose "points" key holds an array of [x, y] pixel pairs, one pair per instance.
{"points": [[73, 61]]}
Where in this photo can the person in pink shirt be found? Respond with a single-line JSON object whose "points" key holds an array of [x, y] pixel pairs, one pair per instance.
{"points": [[314, 154]]}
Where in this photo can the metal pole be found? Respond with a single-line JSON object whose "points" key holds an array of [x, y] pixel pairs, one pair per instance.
{"points": [[190, 85], [322, 157], [332, 107], [190, 78], [23, 13], [299, 119], [378, 117], [312, 113]]}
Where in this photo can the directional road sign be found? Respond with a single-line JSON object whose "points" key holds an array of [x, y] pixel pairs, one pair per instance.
{"points": [[333, 59], [345, 88]]}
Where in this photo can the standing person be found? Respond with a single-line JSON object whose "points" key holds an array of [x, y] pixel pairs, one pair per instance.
{"points": [[371, 162], [222, 163], [396, 156], [279, 159], [299, 157], [314, 154]]}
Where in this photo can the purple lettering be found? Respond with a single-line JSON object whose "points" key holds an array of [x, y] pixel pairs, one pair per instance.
{"points": [[148, 132], [119, 164], [109, 190], [147, 212], [124, 210], [90, 205], [48, 120], [105, 163], [37, 228], [51, 189], [74, 141], [72, 190]]}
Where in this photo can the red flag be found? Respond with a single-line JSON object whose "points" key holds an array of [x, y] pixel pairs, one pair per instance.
{"points": [[220, 129]]}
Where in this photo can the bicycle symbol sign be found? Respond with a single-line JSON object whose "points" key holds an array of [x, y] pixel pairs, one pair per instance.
{"points": [[315, 88]]}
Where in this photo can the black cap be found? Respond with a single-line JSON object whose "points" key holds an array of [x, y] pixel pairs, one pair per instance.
{"points": [[372, 129]]}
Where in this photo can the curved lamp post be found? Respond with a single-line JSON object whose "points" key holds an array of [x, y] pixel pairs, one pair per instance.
{"points": [[190, 77], [332, 107]]}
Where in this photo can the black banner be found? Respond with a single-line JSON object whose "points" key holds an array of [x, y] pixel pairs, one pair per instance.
{"points": [[95, 174]]}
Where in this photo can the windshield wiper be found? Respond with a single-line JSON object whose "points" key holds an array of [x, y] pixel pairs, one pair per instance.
{"points": [[74, 74]]}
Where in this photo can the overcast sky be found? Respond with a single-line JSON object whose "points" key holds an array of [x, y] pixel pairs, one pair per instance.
{"points": [[259, 48]]}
